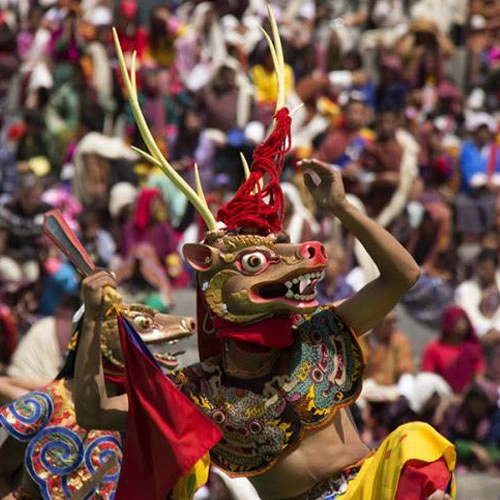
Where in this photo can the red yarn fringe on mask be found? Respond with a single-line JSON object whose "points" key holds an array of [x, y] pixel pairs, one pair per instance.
{"points": [[257, 207]]}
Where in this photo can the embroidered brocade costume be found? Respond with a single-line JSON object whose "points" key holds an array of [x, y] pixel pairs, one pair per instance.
{"points": [[60, 455], [262, 418]]}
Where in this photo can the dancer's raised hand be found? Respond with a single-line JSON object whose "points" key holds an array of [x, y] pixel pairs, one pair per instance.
{"points": [[93, 291], [325, 183]]}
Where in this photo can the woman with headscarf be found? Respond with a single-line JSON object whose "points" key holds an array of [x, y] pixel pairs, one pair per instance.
{"points": [[457, 355], [149, 224]]}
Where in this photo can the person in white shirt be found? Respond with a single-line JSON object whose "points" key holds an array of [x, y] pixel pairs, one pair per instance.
{"points": [[480, 297]]}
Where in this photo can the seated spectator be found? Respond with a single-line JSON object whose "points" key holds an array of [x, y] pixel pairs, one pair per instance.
{"points": [[387, 352], [343, 147], [381, 160], [457, 356], [479, 165], [473, 426], [39, 356], [142, 278], [392, 88], [480, 297], [388, 356], [431, 238], [100, 162], [96, 240], [333, 287], [21, 219], [149, 224]]}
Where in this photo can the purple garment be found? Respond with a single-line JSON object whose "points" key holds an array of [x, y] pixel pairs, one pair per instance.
{"points": [[343, 291], [161, 237], [62, 50], [24, 43]]}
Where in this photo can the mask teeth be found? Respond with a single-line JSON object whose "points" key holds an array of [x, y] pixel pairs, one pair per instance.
{"points": [[300, 284]]}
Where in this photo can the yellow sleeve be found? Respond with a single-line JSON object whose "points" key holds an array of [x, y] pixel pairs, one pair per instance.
{"points": [[187, 486]]}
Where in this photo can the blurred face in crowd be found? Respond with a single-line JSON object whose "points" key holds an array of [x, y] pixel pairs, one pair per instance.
{"points": [[192, 121], [35, 17], [460, 328], [90, 230], [477, 407], [384, 330], [158, 210], [29, 197], [355, 115], [386, 126], [226, 79], [482, 136], [151, 82], [430, 63], [486, 272], [352, 61]]}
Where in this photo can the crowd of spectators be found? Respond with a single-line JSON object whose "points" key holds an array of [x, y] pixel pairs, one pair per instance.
{"points": [[401, 95]]}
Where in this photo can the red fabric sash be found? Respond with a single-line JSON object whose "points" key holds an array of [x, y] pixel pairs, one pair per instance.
{"points": [[492, 161], [275, 332], [418, 480]]}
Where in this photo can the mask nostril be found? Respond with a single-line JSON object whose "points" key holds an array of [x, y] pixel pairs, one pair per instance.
{"points": [[323, 251], [311, 252], [192, 325]]}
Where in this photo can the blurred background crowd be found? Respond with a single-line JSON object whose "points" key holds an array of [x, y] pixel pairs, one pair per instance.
{"points": [[402, 95]]}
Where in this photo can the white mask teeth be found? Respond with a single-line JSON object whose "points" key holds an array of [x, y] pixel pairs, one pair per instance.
{"points": [[303, 281]]}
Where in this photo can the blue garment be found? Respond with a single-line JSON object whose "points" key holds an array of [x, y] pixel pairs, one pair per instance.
{"points": [[8, 172], [474, 161], [352, 152], [63, 282], [343, 291]]}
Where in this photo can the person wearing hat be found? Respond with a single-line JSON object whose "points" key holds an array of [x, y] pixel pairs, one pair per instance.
{"points": [[479, 165]]}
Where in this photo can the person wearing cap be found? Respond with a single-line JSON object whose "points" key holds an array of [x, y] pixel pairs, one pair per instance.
{"points": [[479, 165]]}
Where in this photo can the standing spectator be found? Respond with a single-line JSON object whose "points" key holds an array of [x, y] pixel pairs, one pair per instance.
{"points": [[457, 355]]}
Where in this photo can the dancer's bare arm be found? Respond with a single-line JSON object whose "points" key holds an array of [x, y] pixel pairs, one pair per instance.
{"points": [[94, 408], [398, 270]]}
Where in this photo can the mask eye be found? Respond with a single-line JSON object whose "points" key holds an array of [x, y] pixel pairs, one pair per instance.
{"points": [[143, 322], [254, 262]]}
